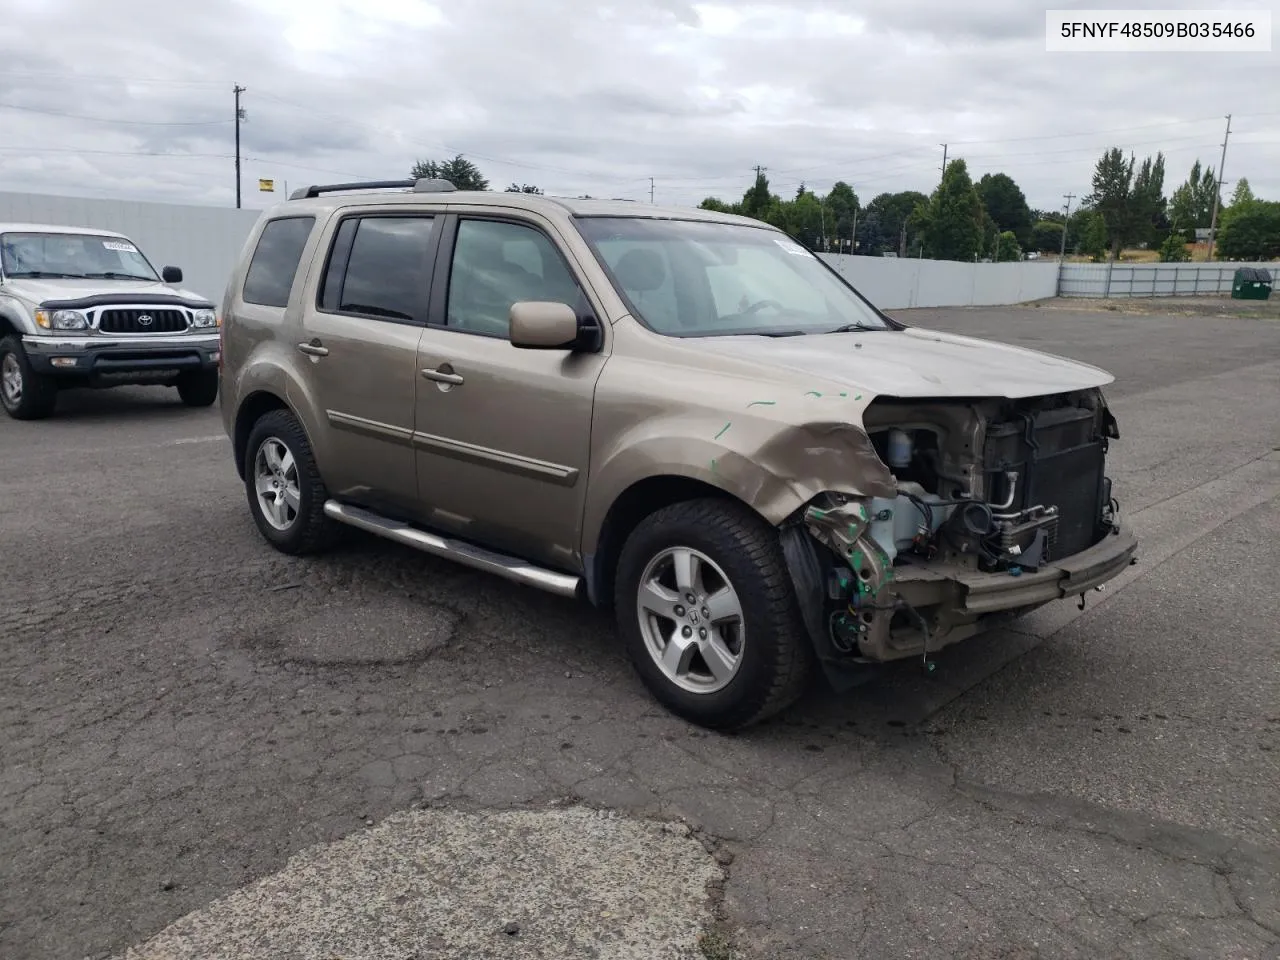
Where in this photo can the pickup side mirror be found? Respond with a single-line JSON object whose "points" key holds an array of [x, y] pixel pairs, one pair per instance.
{"points": [[542, 325], [171, 274]]}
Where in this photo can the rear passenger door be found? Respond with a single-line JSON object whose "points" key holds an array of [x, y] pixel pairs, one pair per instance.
{"points": [[360, 336]]}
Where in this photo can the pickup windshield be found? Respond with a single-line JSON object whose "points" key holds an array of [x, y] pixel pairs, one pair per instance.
{"points": [[73, 256], [688, 278]]}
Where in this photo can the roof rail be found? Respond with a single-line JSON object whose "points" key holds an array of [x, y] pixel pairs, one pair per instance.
{"points": [[421, 185]]}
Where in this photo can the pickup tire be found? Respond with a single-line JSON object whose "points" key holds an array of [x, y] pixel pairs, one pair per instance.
{"points": [[282, 482], [741, 644], [198, 389], [25, 394]]}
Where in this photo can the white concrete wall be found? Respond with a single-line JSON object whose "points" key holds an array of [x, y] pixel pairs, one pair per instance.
{"points": [[899, 283], [204, 241]]}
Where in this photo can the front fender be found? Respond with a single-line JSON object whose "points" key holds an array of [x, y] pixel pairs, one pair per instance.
{"points": [[773, 466], [265, 374], [14, 314]]}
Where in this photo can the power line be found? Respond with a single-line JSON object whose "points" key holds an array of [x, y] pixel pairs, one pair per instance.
{"points": [[145, 123]]}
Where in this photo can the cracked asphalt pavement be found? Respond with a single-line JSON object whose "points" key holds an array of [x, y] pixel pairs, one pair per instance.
{"points": [[199, 737]]}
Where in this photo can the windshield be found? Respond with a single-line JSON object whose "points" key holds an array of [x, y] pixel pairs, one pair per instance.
{"points": [[686, 278], [73, 256]]}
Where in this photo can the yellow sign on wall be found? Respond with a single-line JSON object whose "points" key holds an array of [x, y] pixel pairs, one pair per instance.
{"points": [[267, 186]]}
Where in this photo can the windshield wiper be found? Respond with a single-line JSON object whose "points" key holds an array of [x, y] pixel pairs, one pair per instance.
{"points": [[45, 275], [852, 327], [112, 275]]}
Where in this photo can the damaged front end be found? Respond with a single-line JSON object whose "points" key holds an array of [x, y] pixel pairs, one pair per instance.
{"points": [[1001, 506]]}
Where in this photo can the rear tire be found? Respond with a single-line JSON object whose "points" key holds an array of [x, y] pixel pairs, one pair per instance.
{"points": [[24, 394], [753, 657], [198, 389], [283, 484]]}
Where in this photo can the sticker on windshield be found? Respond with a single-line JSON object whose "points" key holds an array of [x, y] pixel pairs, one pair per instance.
{"points": [[792, 248], [119, 245]]}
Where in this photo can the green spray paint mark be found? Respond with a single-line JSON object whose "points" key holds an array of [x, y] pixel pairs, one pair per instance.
{"points": [[858, 397], [713, 466], [843, 394], [761, 403], [722, 430], [813, 393]]}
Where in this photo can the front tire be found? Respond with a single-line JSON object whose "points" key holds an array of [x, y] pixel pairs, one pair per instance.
{"points": [[708, 614], [24, 394], [283, 484], [198, 389]]}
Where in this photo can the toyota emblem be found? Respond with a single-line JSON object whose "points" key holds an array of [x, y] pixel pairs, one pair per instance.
{"points": [[145, 320]]}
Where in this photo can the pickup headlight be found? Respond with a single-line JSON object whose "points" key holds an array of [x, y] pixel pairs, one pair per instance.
{"points": [[62, 320], [203, 319]]}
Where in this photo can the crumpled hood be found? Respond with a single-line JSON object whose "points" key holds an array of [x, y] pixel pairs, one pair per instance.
{"points": [[39, 291], [915, 363]]}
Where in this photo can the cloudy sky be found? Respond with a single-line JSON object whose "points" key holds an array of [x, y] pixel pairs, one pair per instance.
{"points": [[133, 98]]}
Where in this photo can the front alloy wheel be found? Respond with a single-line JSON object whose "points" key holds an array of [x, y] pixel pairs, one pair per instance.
{"points": [[708, 613], [691, 620]]}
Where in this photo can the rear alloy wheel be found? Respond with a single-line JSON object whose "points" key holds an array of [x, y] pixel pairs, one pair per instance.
{"points": [[198, 389], [24, 394], [708, 614], [282, 482]]}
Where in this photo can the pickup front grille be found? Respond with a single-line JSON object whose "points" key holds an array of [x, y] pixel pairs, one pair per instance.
{"points": [[136, 320]]}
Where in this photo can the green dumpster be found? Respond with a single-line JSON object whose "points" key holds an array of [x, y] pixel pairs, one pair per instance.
{"points": [[1251, 283]]}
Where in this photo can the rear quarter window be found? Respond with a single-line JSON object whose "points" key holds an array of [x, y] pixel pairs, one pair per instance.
{"points": [[275, 261]]}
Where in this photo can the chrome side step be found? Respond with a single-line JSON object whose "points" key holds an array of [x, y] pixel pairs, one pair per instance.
{"points": [[511, 568]]}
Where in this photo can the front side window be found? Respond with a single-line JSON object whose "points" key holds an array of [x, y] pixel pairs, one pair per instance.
{"points": [[378, 267], [73, 256], [687, 278], [496, 264], [275, 261]]}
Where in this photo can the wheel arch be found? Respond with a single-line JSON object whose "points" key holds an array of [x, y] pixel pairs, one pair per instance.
{"points": [[627, 511], [252, 409]]}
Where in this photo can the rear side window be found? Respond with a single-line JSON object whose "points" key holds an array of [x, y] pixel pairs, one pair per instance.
{"points": [[378, 268], [275, 261]]}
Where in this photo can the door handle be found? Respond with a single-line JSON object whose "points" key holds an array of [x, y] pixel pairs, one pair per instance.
{"points": [[314, 348], [442, 375]]}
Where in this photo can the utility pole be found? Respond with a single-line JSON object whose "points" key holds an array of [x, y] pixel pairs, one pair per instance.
{"points": [[1067, 219], [760, 171], [1217, 193], [239, 116], [944, 159]]}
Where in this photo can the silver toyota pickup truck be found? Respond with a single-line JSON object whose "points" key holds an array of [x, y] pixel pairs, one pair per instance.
{"points": [[81, 307]]}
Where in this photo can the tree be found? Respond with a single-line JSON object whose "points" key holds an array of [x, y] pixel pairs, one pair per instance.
{"points": [[1174, 249], [1046, 236], [1132, 204], [1147, 203], [719, 206], [871, 238], [757, 200], [1191, 205], [1252, 232], [1093, 235], [1005, 202], [893, 211], [952, 220], [1242, 195], [523, 188], [841, 208], [459, 171], [1007, 248]]}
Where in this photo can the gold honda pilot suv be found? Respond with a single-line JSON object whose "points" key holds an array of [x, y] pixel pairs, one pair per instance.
{"points": [[683, 414]]}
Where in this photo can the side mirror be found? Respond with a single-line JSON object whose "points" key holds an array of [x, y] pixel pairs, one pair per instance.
{"points": [[171, 274], [542, 325]]}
